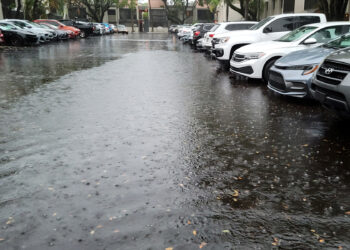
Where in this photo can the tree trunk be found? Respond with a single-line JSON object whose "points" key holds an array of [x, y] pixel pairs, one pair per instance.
{"points": [[132, 20], [246, 10], [19, 7]]}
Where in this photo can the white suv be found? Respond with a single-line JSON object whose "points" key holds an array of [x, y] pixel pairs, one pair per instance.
{"points": [[270, 28], [222, 28]]}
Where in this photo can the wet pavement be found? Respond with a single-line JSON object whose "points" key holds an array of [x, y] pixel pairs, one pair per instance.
{"points": [[136, 142]]}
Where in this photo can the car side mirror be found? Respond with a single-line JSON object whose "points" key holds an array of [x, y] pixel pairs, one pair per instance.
{"points": [[310, 41], [267, 30]]}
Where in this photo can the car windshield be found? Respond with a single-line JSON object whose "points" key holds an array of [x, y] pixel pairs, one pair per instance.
{"points": [[261, 23], [215, 27], [6, 26], [36, 25], [342, 42], [296, 34]]}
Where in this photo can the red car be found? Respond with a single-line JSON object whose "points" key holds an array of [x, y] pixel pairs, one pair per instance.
{"points": [[61, 26]]}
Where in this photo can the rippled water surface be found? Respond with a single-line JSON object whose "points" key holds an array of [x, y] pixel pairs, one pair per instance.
{"points": [[137, 142]]}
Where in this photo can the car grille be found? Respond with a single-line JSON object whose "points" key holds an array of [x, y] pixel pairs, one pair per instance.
{"points": [[238, 57], [332, 72], [245, 70], [276, 80]]}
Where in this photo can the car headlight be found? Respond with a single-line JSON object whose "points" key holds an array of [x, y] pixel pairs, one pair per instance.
{"points": [[307, 69], [224, 39], [251, 56]]}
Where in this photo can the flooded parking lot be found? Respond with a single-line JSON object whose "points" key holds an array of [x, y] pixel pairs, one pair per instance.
{"points": [[137, 142]]}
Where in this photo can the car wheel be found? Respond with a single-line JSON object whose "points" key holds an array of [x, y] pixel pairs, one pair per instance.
{"points": [[16, 41], [267, 68], [82, 34]]}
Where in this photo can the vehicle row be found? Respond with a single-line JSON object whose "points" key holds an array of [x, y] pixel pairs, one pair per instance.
{"points": [[18, 32], [298, 55]]}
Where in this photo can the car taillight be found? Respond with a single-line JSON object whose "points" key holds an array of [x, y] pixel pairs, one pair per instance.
{"points": [[197, 33], [211, 35]]}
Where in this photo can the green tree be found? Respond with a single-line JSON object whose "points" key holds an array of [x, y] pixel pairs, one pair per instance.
{"points": [[176, 10], [334, 9]]}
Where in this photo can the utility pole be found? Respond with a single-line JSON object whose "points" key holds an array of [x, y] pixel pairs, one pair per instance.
{"points": [[246, 10], [150, 14]]}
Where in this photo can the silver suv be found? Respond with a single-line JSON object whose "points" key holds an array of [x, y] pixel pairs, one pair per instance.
{"points": [[331, 83]]}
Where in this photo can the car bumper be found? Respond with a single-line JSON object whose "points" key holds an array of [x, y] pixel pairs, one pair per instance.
{"points": [[250, 68], [222, 52], [334, 97], [289, 82]]}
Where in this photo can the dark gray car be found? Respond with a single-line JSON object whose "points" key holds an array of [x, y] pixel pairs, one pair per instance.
{"points": [[331, 83], [292, 74]]}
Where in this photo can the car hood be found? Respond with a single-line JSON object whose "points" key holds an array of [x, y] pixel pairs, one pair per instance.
{"points": [[236, 33], [341, 56], [266, 46], [306, 56]]}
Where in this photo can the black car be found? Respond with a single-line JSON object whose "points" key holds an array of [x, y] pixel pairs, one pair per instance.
{"points": [[17, 37], [86, 29], [199, 32]]}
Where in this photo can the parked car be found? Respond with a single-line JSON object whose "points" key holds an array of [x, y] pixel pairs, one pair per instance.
{"points": [[122, 29], [108, 28], [171, 28], [331, 83], [270, 28], [99, 29], [61, 34], [86, 29], [292, 74], [199, 32], [61, 26], [16, 36], [255, 60], [114, 28], [44, 34], [222, 28]]}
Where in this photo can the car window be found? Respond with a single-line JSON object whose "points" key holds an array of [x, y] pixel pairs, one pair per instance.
{"points": [[282, 24], [342, 42], [208, 27], [261, 23], [238, 26], [215, 27], [296, 34], [20, 24], [330, 33], [304, 20], [53, 23]]}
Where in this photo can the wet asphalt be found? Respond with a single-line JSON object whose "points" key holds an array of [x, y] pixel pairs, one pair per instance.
{"points": [[137, 142]]}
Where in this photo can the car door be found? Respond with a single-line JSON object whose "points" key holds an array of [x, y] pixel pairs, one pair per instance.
{"points": [[278, 28]]}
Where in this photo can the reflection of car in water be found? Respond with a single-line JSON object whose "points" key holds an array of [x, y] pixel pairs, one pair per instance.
{"points": [[122, 29], [17, 37]]}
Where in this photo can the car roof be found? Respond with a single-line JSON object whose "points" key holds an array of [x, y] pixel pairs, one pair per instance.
{"points": [[299, 14]]}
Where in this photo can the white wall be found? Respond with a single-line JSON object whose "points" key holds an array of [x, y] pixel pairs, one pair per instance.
{"points": [[1, 15]]}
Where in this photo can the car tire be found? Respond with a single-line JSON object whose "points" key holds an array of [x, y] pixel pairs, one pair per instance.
{"points": [[82, 34], [16, 41], [266, 69]]}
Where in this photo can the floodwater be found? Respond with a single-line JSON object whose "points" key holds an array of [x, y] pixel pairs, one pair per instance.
{"points": [[137, 142]]}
